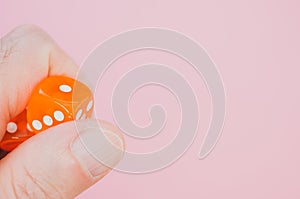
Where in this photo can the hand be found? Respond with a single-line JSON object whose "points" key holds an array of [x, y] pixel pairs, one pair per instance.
{"points": [[52, 164]]}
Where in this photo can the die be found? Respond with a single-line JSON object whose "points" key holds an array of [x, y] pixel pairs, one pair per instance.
{"points": [[58, 99], [55, 100], [17, 131]]}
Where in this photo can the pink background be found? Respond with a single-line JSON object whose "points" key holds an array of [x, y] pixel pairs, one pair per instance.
{"points": [[256, 46]]}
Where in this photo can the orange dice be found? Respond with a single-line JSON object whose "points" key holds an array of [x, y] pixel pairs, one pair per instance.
{"points": [[55, 100], [17, 131]]}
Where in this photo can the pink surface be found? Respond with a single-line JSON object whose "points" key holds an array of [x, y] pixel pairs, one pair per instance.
{"points": [[255, 44]]}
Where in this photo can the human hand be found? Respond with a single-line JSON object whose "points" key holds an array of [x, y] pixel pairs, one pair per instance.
{"points": [[55, 163]]}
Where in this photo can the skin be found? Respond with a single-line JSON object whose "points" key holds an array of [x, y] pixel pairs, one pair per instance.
{"points": [[27, 56]]}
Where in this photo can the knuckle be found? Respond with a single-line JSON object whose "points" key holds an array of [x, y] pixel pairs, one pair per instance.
{"points": [[28, 30], [4, 51], [23, 37], [31, 34]]}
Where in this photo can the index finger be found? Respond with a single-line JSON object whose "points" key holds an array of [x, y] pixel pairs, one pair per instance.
{"points": [[27, 56]]}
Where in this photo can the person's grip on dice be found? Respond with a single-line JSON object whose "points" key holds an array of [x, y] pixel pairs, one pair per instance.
{"points": [[54, 163]]}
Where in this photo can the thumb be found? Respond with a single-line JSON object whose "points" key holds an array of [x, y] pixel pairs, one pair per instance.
{"points": [[61, 162]]}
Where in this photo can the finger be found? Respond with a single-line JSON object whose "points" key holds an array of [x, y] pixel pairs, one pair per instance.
{"points": [[63, 169], [27, 56]]}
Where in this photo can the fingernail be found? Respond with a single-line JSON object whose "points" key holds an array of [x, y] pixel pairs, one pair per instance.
{"points": [[97, 151]]}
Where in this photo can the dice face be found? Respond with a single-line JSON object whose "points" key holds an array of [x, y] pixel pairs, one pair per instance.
{"points": [[17, 131], [56, 100]]}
